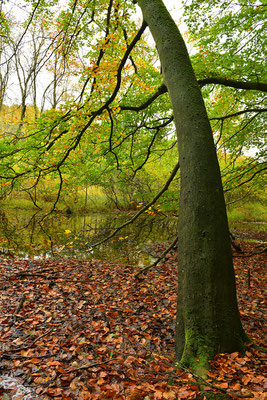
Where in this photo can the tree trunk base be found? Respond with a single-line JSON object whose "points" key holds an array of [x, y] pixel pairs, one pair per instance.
{"points": [[197, 353]]}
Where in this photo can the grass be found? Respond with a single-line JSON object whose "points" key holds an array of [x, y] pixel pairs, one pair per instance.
{"points": [[78, 201], [21, 203], [95, 199], [249, 211], [83, 201]]}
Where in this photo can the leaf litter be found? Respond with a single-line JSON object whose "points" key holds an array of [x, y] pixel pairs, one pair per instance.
{"points": [[89, 330]]}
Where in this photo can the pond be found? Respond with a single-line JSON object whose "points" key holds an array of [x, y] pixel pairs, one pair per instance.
{"points": [[23, 236]]}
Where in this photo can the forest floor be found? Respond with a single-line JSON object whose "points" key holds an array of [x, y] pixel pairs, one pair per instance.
{"points": [[74, 329]]}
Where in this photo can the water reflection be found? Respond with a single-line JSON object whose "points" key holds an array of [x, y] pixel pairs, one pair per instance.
{"points": [[22, 235]]}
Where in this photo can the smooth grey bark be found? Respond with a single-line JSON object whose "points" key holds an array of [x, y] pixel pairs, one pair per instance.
{"points": [[208, 320]]}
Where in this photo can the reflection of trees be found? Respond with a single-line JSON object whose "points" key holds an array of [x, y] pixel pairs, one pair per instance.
{"points": [[8, 234], [143, 228], [26, 236], [23, 233]]}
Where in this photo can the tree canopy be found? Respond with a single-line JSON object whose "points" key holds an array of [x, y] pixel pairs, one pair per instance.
{"points": [[93, 79]]}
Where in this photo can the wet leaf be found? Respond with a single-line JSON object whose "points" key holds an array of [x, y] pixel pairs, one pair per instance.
{"points": [[102, 333]]}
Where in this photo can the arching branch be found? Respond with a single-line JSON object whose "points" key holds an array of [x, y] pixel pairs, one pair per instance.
{"points": [[248, 180], [162, 89], [249, 110], [111, 98], [94, 114]]}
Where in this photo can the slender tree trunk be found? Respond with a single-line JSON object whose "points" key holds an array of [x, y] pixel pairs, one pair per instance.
{"points": [[2, 92], [34, 96], [208, 320], [55, 82], [23, 111]]}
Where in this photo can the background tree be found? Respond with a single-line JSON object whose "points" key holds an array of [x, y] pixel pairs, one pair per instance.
{"points": [[5, 61]]}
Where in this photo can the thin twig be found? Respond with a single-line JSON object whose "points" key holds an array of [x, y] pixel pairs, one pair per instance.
{"points": [[17, 356], [22, 299], [251, 254], [90, 365], [28, 346], [49, 277]]}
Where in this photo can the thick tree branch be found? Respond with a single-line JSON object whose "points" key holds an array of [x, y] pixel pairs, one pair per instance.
{"points": [[246, 85], [261, 86], [249, 110]]}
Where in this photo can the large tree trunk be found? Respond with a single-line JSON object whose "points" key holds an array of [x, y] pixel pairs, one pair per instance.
{"points": [[208, 320]]}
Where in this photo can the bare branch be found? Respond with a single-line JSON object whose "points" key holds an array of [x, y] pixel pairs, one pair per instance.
{"points": [[24, 33], [248, 180], [249, 110]]}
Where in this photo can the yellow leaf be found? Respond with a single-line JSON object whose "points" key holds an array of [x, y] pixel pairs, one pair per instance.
{"points": [[72, 385], [170, 395]]}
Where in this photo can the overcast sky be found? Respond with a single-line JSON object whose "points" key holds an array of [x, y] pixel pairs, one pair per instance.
{"points": [[171, 5]]}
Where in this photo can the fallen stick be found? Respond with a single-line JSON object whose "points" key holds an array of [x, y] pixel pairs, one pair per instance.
{"points": [[251, 254], [28, 346], [90, 365], [23, 298]]}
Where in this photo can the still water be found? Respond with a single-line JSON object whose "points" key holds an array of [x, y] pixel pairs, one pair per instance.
{"points": [[22, 235]]}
